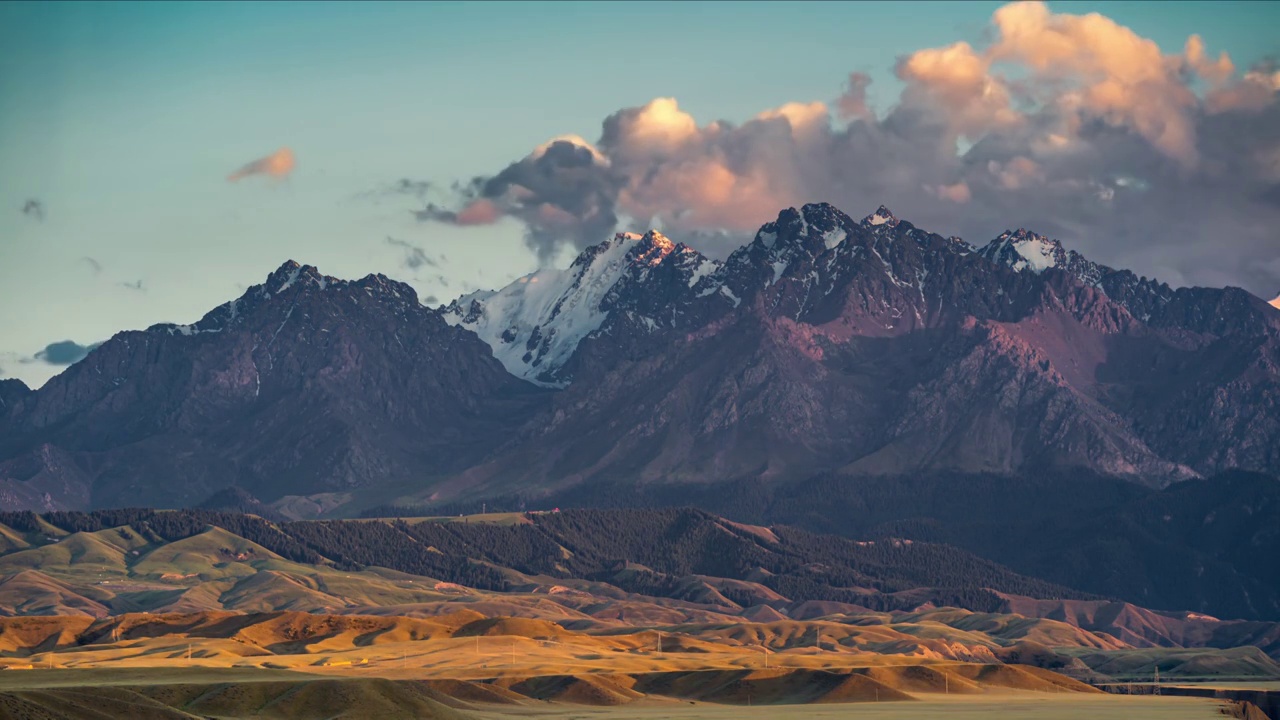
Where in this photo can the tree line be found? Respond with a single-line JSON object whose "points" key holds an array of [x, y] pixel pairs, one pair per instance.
{"points": [[650, 551]]}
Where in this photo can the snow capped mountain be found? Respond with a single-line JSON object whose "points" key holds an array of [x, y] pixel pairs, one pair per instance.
{"points": [[1025, 250], [634, 285], [824, 344], [1276, 303], [535, 324], [780, 248], [872, 345]]}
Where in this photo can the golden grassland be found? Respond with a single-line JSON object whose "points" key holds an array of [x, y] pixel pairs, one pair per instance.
{"points": [[105, 624], [295, 665]]}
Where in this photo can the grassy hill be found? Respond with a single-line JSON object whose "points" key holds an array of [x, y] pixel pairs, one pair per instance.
{"points": [[558, 577]]}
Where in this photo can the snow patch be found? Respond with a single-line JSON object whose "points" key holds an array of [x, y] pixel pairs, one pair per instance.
{"points": [[832, 238], [779, 267], [287, 315], [293, 277], [562, 306], [1037, 254], [189, 330], [704, 268]]}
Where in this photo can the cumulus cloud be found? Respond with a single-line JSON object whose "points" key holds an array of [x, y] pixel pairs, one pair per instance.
{"points": [[853, 103], [64, 352], [563, 191], [277, 165], [1165, 162], [1254, 92]]}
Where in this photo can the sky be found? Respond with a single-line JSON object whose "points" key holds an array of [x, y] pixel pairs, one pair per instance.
{"points": [[156, 159]]}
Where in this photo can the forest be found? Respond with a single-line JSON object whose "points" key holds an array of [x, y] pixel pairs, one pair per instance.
{"points": [[645, 551], [1191, 546]]}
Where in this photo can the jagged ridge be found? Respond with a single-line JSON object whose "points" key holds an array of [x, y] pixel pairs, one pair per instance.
{"points": [[825, 344]]}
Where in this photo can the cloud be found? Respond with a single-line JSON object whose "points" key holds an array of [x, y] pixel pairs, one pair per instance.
{"points": [[853, 103], [562, 190], [33, 209], [278, 165], [415, 257], [1168, 163], [94, 266], [956, 192], [1255, 91], [404, 187], [64, 352]]}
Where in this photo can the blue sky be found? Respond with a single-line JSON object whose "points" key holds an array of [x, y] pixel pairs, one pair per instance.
{"points": [[123, 120]]}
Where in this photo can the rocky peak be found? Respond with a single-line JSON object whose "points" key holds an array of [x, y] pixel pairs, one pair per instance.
{"points": [[1023, 249], [795, 237], [534, 324], [303, 382], [289, 284], [289, 274], [651, 248], [646, 249], [881, 216], [11, 392], [815, 228]]}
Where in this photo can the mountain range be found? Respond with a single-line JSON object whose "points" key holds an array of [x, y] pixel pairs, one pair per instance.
{"points": [[837, 374], [826, 344]]}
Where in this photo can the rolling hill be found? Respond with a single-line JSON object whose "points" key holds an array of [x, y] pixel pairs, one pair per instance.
{"points": [[307, 586]]}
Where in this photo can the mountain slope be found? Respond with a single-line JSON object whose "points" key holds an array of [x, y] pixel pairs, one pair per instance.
{"points": [[535, 324], [703, 562], [876, 347], [826, 344], [305, 384], [699, 577]]}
